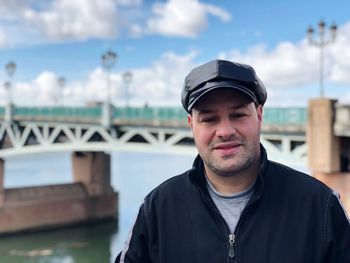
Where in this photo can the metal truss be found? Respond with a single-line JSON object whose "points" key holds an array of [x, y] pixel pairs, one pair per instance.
{"points": [[20, 138]]}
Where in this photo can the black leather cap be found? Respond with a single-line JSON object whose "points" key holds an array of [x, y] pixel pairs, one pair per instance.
{"points": [[221, 74]]}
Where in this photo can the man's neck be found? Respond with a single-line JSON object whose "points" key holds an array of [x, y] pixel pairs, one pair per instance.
{"points": [[233, 184]]}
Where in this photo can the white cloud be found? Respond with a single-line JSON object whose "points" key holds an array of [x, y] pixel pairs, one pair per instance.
{"points": [[10, 14], [41, 91], [3, 41], [184, 18], [218, 12], [56, 20], [286, 65], [79, 19], [292, 67], [10, 9], [340, 56], [129, 2], [159, 84], [136, 31], [290, 71]]}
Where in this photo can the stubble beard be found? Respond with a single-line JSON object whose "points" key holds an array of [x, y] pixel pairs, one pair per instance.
{"points": [[241, 162]]}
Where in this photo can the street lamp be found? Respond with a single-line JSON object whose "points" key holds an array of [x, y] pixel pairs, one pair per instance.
{"points": [[61, 83], [321, 43], [7, 86], [127, 77], [108, 60], [10, 69]]}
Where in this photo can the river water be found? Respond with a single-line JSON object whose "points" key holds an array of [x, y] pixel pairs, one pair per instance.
{"points": [[133, 176]]}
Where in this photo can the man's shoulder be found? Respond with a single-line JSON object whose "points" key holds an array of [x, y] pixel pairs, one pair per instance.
{"points": [[296, 180], [173, 186]]}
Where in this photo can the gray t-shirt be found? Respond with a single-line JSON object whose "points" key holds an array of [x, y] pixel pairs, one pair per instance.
{"points": [[230, 206]]}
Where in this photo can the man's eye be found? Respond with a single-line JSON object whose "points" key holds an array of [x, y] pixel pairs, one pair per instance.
{"points": [[238, 115], [208, 119]]}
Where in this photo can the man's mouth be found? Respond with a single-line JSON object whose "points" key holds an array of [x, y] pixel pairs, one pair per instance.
{"points": [[227, 147]]}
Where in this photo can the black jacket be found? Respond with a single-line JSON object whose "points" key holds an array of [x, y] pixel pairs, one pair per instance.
{"points": [[291, 217]]}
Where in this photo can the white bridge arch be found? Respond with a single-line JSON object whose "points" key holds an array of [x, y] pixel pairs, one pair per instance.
{"points": [[27, 137]]}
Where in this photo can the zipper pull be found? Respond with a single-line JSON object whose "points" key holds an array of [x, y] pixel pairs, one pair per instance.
{"points": [[231, 241]]}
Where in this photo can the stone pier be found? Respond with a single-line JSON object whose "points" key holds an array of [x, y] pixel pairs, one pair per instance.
{"points": [[323, 145], [90, 198], [2, 174], [328, 140]]}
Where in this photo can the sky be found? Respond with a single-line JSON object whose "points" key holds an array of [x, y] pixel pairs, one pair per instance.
{"points": [[159, 42]]}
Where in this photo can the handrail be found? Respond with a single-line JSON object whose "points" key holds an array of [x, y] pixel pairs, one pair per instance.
{"points": [[272, 116]]}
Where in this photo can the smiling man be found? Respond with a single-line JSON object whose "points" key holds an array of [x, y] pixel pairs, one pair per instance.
{"points": [[235, 205], [226, 128]]}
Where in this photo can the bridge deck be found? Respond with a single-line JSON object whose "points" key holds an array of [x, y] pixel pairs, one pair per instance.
{"points": [[291, 118]]}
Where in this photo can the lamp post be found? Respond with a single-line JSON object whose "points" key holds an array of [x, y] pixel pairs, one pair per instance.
{"points": [[61, 83], [127, 77], [108, 60], [7, 86], [322, 43], [10, 70]]}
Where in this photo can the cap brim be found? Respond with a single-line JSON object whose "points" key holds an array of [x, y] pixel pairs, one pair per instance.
{"points": [[209, 86]]}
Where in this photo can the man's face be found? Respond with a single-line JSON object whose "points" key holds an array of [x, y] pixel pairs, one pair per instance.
{"points": [[226, 129]]}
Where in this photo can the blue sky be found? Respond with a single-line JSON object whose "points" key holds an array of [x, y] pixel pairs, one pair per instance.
{"points": [[160, 41]]}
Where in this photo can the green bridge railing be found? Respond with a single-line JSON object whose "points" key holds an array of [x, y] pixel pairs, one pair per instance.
{"points": [[59, 112], [272, 116]]}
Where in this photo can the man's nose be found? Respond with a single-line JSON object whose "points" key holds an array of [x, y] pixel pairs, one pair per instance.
{"points": [[226, 129]]}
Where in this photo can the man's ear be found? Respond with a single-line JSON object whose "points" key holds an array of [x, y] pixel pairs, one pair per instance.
{"points": [[259, 111], [190, 120]]}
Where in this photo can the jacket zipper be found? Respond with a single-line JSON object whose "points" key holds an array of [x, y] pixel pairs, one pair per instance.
{"points": [[231, 241], [249, 204], [231, 237]]}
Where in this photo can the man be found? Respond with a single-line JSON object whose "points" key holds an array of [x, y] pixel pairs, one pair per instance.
{"points": [[235, 205]]}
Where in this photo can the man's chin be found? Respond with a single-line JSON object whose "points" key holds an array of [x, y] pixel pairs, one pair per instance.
{"points": [[227, 171]]}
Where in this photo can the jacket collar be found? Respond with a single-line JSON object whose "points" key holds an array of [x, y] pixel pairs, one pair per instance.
{"points": [[197, 174]]}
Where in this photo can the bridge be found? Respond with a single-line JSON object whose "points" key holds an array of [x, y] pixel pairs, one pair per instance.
{"points": [[27, 130], [90, 133]]}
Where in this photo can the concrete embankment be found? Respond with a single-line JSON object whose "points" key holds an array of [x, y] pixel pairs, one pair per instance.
{"points": [[43, 207]]}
